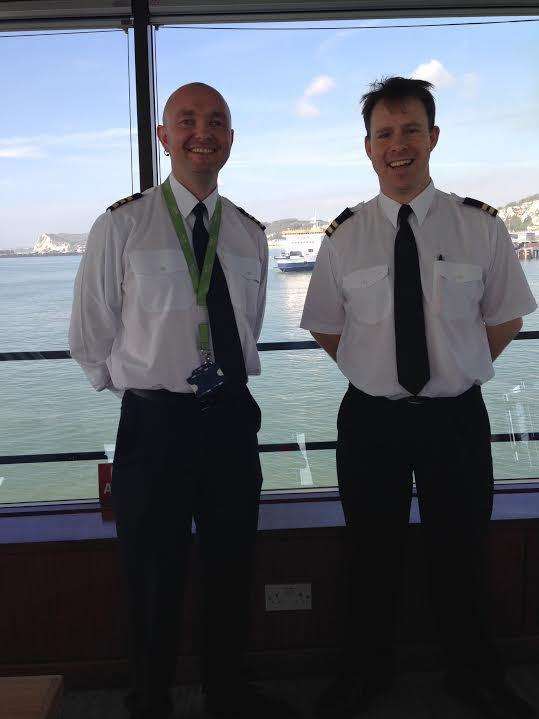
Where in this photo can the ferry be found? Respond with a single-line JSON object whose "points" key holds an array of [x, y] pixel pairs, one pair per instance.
{"points": [[300, 248]]}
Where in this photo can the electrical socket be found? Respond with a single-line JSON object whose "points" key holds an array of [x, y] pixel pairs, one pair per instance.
{"points": [[287, 597]]}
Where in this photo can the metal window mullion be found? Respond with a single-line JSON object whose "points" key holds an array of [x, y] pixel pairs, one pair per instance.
{"points": [[145, 89], [253, 11]]}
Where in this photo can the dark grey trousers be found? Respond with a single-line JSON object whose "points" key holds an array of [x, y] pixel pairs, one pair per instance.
{"points": [[446, 444], [173, 463]]}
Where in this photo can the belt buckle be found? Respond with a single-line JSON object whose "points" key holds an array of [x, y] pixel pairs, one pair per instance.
{"points": [[415, 400]]}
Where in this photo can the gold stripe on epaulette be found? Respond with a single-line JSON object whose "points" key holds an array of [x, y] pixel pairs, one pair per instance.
{"points": [[345, 215], [124, 201], [471, 202]]}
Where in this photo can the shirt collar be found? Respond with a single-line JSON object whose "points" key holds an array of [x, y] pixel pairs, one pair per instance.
{"points": [[186, 200], [420, 205]]}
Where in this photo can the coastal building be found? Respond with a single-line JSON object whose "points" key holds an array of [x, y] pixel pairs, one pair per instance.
{"points": [[528, 251]]}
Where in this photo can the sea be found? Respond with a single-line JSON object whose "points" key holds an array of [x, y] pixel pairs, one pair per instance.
{"points": [[47, 406]]}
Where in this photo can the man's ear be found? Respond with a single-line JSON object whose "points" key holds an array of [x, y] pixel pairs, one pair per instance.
{"points": [[368, 147], [231, 137], [434, 135], [162, 135]]}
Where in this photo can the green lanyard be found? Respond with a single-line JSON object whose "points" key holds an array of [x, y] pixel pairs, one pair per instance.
{"points": [[201, 281]]}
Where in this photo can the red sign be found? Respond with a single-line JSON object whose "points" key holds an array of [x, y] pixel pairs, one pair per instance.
{"points": [[104, 473]]}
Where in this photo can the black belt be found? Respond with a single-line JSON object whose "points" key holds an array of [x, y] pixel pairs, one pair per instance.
{"points": [[163, 395], [474, 390], [169, 397]]}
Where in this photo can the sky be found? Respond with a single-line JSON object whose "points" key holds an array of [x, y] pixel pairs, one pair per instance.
{"points": [[65, 150]]}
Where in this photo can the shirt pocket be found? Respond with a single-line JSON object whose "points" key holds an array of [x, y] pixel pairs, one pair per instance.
{"points": [[243, 280], [162, 279], [457, 289], [368, 293]]}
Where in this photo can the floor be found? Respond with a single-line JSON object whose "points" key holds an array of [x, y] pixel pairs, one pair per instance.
{"points": [[416, 695]]}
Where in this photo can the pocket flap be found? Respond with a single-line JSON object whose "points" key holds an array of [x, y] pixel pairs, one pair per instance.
{"points": [[248, 267], [154, 262], [458, 272], [365, 278]]}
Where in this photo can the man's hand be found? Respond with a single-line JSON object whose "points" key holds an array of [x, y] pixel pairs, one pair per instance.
{"points": [[499, 336], [330, 343]]}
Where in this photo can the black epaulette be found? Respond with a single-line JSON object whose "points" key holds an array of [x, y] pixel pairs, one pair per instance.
{"points": [[345, 215], [257, 222], [124, 201], [481, 205]]}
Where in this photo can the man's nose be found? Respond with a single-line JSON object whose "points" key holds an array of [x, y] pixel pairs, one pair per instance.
{"points": [[399, 146], [202, 130]]}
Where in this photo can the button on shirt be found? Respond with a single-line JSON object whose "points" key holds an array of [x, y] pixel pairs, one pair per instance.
{"points": [[470, 277], [135, 319]]}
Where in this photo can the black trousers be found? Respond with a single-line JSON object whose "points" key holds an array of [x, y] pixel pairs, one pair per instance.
{"points": [[175, 462], [446, 444]]}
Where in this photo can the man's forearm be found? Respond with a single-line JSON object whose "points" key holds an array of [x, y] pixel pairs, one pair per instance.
{"points": [[499, 336], [329, 343]]}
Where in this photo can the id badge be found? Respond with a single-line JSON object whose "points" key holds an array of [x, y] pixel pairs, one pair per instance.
{"points": [[206, 379]]}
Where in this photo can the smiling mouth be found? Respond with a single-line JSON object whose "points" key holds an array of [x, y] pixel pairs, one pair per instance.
{"points": [[399, 163], [202, 150]]}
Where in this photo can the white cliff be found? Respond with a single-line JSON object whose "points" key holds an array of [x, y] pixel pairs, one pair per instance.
{"points": [[521, 215], [62, 243]]}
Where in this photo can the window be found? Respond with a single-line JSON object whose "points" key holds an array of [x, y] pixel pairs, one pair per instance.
{"points": [[298, 154], [67, 150]]}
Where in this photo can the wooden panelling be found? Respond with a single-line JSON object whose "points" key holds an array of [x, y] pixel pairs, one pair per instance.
{"points": [[61, 603], [531, 598], [507, 580], [293, 557]]}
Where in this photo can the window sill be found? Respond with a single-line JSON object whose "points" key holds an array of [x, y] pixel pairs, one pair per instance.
{"points": [[279, 511]]}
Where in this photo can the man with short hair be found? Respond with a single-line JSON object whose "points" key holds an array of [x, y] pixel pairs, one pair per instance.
{"points": [[168, 307], [414, 294]]}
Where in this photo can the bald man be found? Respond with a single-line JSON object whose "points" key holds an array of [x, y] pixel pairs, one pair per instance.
{"points": [[168, 306]]}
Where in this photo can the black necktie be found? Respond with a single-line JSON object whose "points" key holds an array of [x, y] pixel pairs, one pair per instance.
{"points": [[224, 330], [410, 340]]}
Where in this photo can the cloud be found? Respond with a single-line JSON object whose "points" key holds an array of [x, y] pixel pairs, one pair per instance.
{"points": [[433, 71], [330, 43], [304, 108], [318, 86], [466, 84], [21, 152], [35, 146]]}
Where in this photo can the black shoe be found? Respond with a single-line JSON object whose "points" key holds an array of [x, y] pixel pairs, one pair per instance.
{"points": [[157, 708], [491, 701], [246, 701], [348, 696]]}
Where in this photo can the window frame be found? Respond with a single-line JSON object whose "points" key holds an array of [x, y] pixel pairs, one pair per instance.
{"points": [[145, 16]]}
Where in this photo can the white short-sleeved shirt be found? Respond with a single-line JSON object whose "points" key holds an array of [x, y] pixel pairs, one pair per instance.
{"points": [[135, 319], [470, 277]]}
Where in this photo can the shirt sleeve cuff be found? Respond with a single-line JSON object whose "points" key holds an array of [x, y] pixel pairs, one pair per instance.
{"points": [[325, 329], [98, 375], [507, 316]]}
